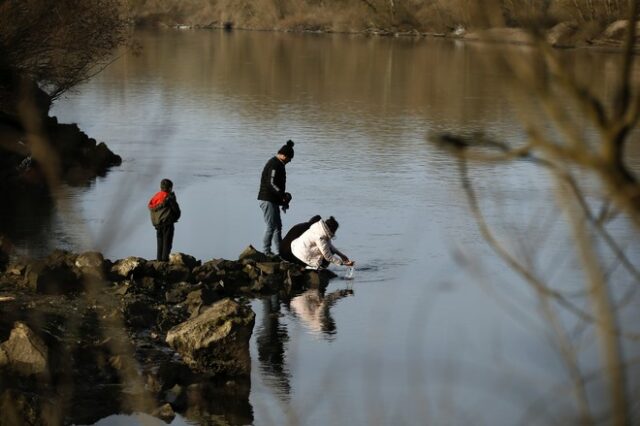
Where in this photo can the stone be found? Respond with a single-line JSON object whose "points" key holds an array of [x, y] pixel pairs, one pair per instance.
{"points": [[198, 299], [184, 260], [217, 340], [252, 254], [124, 268], [178, 292], [91, 260], [26, 353], [54, 276], [165, 413], [139, 310], [268, 267]]}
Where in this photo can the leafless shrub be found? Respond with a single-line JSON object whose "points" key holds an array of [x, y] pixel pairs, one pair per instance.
{"points": [[59, 44], [558, 140]]}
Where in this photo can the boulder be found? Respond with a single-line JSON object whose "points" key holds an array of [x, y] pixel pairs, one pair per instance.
{"points": [[124, 268], [165, 413], [139, 311], [91, 262], [178, 292], [197, 300], [54, 276], [24, 352], [184, 260], [217, 340], [268, 268], [250, 253]]}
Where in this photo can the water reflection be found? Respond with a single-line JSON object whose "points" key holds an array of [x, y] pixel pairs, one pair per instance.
{"points": [[313, 309], [271, 340]]}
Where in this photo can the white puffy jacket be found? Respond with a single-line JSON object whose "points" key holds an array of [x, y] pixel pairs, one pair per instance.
{"points": [[315, 245]]}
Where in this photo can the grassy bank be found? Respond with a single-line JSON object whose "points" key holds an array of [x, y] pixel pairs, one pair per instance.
{"points": [[387, 15]]}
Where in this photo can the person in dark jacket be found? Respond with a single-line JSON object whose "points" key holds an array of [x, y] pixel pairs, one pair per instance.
{"points": [[165, 211], [273, 195], [295, 232]]}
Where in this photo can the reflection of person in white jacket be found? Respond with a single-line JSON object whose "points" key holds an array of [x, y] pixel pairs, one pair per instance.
{"points": [[313, 309], [314, 247]]}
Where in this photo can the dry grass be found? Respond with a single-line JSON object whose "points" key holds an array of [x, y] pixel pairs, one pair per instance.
{"points": [[359, 15]]}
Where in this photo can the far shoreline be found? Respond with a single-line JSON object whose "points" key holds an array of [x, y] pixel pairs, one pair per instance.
{"points": [[562, 36]]}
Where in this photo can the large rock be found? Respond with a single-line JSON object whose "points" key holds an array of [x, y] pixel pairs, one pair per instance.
{"points": [[184, 260], [54, 276], [217, 340], [250, 253], [125, 268], [24, 352]]}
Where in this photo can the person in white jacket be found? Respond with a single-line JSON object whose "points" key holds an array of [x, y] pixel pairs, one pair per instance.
{"points": [[314, 247]]}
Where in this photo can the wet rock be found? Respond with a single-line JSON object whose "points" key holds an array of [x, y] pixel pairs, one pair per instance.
{"points": [[165, 413], [268, 267], [250, 253], [209, 271], [146, 285], [177, 273], [54, 276], [91, 263], [25, 353], [125, 268], [176, 396], [217, 340], [184, 260], [197, 300], [319, 279], [178, 293], [170, 315], [139, 310], [251, 271]]}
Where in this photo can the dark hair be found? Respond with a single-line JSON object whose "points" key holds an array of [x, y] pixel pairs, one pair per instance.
{"points": [[166, 185], [314, 219], [287, 149], [332, 224]]}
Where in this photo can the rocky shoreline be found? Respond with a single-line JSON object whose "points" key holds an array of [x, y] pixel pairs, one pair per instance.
{"points": [[133, 335]]}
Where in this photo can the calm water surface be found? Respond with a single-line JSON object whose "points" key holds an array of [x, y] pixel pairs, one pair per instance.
{"points": [[432, 329]]}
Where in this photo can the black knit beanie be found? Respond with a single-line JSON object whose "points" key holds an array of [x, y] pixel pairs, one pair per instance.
{"points": [[332, 224], [287, 149]]}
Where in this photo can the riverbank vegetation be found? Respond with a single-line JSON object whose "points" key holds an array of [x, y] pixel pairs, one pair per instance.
{"points": [[381, 15], [47, 49]]}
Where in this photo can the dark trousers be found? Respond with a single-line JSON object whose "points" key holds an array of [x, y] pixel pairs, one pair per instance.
{"points": [[164, 236]]}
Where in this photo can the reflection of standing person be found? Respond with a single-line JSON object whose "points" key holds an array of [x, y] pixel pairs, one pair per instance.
{"points": [[295, 232], [273, 194], [314, 247], [271, 340], [312, 307], [164, 211]]}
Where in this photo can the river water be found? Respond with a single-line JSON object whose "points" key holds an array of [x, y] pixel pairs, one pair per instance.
{"points": [[433, 329]]}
